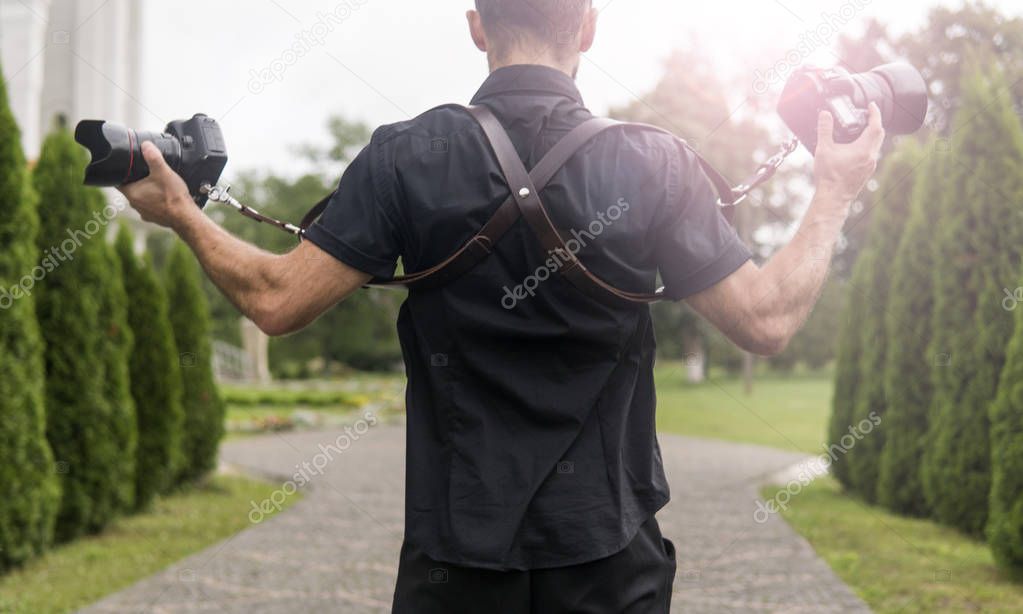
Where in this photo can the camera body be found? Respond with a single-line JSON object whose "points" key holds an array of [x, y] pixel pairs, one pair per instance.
{"points": [[194, 148], [898, 89]]}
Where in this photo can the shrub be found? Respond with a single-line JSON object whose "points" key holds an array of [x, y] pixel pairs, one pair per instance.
{"points": [[155, 376], [203, 407], [28, 479]]}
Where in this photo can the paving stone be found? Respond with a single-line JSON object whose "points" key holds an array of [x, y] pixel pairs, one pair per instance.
{"points": [[337, 549]]}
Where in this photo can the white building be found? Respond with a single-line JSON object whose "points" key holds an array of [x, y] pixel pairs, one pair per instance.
{"points": [[80, 59], [76, 58]]}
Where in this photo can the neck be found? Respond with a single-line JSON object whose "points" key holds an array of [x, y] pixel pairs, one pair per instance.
{"points": [[516, 58]]}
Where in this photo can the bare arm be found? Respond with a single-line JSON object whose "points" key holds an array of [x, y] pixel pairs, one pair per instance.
{"points": [[280, 293], [761, 309]]}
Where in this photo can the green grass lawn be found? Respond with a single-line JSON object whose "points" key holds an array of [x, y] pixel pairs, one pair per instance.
{"points": [[783, 412], [899, 564], [84, 571], [895, 564]]}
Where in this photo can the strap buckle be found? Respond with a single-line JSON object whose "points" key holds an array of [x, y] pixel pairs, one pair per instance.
{"points": [[764, 173]]}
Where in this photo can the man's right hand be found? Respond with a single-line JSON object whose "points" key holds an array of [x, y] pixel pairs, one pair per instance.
{"points": [[842, 171]]}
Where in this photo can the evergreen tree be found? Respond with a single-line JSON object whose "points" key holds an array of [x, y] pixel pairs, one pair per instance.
{"points": [[980, 251], [190, 320], [847, 375], [1005, 525], [81, 424], [849, 382], [907, 374], [116, 348], [891, 208], [154, 374], [28, 478]]}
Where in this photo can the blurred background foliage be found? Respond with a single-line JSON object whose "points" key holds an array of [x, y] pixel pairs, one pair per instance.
{"points": [[694, 101]]}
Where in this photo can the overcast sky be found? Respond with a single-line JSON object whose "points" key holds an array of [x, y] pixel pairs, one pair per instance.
{"points": [[383, 61]]}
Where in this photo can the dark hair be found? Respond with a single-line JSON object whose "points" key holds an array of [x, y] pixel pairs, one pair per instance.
{"points": [[549, 22]]}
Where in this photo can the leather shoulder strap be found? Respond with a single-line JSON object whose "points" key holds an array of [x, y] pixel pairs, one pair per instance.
{"points": [[524, 201], [481, 245], [527, 197]]}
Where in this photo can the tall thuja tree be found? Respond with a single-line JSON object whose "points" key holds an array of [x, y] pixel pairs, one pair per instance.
{"points": [[980, 252], [28, 479], [190, 319], [891, 209], [80, 421], [848, 379], [116, 349], [907, 370], [155, 376], [1005, 524], [849, 382]]}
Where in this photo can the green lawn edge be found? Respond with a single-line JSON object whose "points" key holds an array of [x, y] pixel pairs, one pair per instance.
{"points": [[134, 547], [899, 564]]}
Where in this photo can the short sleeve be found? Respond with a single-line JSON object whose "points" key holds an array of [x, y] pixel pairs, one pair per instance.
{"points": [[696, 247], [357, 227]]}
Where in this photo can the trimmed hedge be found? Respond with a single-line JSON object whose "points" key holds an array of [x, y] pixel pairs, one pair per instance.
{"points": [[28, 478], [289, 398], [203, 407], [155, 376]]}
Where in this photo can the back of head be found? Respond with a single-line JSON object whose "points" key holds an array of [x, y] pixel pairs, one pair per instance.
{"points": [[547, 27]]}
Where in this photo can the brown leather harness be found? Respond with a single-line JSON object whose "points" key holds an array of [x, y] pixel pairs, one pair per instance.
{"points": [[525, 202]]}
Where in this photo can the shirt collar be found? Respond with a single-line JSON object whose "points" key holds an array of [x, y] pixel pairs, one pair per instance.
{"points": [[528, 78]]}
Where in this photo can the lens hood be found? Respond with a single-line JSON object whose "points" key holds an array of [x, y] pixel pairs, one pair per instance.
{"points": [[111, 146]]}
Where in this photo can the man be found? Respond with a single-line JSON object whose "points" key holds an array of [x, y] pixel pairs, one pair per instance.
{"points": [[533, 470]]}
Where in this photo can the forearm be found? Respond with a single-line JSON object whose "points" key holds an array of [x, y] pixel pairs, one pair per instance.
{"points": [[790, 283], [280, 293], [245, 274]]}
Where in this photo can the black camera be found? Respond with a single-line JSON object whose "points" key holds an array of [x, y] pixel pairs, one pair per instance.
{"points": [[194, 148], [898, 89]]}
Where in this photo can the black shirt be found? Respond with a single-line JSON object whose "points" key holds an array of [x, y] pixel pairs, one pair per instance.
{"points": [[531, 439]]}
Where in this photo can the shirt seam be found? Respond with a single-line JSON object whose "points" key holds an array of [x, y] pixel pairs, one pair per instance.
{"points": [[349, 255]]}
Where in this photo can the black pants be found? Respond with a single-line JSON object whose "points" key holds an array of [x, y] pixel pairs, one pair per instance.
{"points": [[636, 580]]}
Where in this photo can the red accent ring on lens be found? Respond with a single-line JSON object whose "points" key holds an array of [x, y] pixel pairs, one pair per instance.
{"points": [[131, 155]]}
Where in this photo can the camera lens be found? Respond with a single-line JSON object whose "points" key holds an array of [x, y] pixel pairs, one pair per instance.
{"points": [[117, 152], [898, 89], [904, 105]]}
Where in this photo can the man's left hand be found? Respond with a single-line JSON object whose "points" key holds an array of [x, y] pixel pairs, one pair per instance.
{"points": [[162, 197]]}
